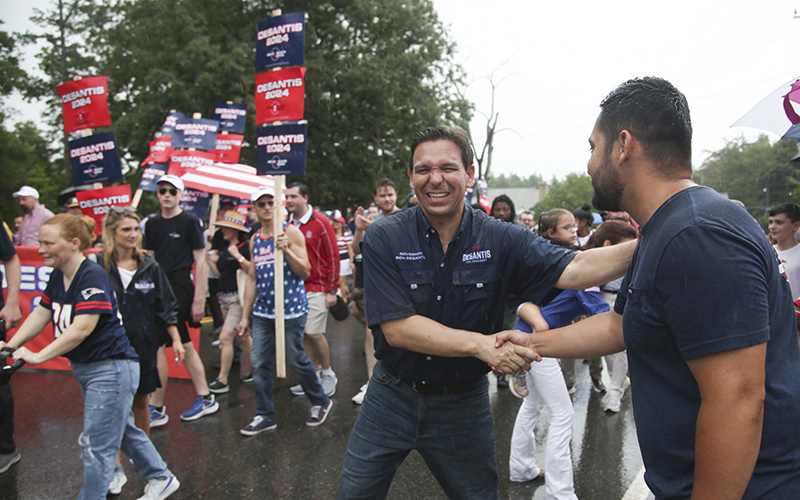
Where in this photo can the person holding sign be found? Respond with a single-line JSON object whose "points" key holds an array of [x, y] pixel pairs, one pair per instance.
{"points": [[79, 301], [259, 300]]}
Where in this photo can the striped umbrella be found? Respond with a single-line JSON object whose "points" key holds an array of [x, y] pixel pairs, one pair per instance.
{"points": [[238, 181]]}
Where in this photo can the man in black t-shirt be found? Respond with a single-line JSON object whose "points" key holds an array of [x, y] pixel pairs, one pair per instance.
{"points": [[10, 315], [175, 238]]}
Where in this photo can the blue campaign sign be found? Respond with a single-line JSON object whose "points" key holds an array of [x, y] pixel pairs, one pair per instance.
{"points": [[197, 133], [281, 150], [195, 202], [169, 124], [280, 41], [232, 117], [152, 173], [94, 159]]}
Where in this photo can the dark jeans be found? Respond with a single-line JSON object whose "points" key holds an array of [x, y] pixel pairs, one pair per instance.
{"points": [[454, 433], [6, 420]]}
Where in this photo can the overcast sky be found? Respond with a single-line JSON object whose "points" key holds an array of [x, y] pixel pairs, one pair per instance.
{"points": [[564, 57]]}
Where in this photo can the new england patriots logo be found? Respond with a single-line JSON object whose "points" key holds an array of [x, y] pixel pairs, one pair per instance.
{"points": [[91, 291]]}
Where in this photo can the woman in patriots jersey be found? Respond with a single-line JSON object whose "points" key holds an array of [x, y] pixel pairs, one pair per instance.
{"points": [[80, 302]]}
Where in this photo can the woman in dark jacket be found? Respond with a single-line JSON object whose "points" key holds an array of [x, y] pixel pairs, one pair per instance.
{"points": [[143, 294]]}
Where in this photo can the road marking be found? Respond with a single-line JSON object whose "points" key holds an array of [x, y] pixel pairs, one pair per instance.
{"points": [[638, 489]]}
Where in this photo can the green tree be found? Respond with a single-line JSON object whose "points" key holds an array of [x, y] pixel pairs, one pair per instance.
{"points": [[571, 193], [513, 181], [377, 73], [757, 173]]}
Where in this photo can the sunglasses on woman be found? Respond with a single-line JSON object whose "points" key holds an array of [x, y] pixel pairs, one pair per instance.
{"points": [[120, 210]]}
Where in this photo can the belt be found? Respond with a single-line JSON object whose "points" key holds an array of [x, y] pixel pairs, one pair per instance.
{"points": [[429, 390]]}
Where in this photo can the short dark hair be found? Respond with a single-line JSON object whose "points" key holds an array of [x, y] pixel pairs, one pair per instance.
{"points": [[301, 188], [385, 182], [454, 134], [792, 211], [614, 231], [584, 213], [505, 199], [657, 114]]}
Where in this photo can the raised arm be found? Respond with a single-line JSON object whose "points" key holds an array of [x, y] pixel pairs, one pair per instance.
{"points": [[597, 266]]}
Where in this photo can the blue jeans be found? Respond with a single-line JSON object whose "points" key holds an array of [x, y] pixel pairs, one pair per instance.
{"points": [[454, 433], [262, 354], [107, 388]]}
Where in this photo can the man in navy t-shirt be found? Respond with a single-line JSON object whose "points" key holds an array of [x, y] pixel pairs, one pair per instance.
{"points": [[705, 312]]}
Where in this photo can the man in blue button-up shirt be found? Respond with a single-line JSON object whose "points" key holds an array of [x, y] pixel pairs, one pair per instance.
{"points": [[436, 280]]}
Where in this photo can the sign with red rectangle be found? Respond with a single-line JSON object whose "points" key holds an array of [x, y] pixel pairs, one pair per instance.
{"points": [[229, 147], [160, 151], [183, 161], [280, 95], [85, 103], [97, 202]]}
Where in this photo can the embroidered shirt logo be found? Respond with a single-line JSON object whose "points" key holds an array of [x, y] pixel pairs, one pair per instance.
{"points": [[91, 291], [477, 256], [144, 286], [410, 256]]}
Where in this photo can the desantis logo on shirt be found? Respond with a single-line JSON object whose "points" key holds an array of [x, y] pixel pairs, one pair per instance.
{"points": [[91, 291], [476, 255]]}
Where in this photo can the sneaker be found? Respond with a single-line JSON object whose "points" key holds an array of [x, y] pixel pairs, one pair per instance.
{"points": [[117, 482], [329, 383], [612, 406], [7, 460], [199, 408], [159, 489], [259, 424], [518, 385], [158, 418], [502, 381], [218, 387], [319, 414], [571, 389], [297, 390], [216, 344], [248, 378], [359, 398], [598, 385]]}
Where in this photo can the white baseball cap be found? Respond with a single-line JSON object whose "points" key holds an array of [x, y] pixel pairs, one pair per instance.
{"points": [[26, 191], [262, 191], [172, 179]]}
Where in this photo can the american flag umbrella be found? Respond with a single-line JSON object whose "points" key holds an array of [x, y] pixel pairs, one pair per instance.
{"points": [[777, 113], [238, 181]]}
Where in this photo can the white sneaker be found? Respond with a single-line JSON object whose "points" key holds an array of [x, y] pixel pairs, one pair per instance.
{"points": [[329, 383], [359, 398], [159, 489], [117, 482], [297, 390]]}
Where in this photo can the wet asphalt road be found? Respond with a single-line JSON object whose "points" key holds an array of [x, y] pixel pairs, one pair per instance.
{"points": [[213, 461]]}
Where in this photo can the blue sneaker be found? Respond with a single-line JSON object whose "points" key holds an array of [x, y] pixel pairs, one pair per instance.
{"points": [[200, 407], [259, 424], [158, 418], [319, 414]]}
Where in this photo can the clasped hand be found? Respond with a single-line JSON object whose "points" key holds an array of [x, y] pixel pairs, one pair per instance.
{"points": [[510, 353]]}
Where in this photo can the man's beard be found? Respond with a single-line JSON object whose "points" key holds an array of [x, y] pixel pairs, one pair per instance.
{"points": [[26, 210], [607, 188]]}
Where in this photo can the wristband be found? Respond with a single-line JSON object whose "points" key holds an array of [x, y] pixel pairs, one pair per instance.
{"points": [[241, 259]]}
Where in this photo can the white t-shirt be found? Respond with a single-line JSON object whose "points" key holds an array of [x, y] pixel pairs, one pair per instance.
{"points": [[791, 262], [125, 276]]}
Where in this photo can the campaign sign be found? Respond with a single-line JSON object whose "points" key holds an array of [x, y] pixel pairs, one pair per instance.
{"points": [[280, 95], [97, 202], [160, 151], [229, 147], [169, 124], [231, 117], [280, 41], [197, 133], [195, 202], [152, 173], [94, 159], [85, 103], [182, 161], [281, 150], [483, 194]]}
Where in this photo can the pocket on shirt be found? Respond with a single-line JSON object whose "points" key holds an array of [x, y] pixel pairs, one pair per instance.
{"points": [[478, 289], [420, 286]]}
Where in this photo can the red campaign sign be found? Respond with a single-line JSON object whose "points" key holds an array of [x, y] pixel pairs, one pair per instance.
{"points": [[280, 95], [160, 151], [34, 280], [97, 202], [85, 103], [229, 147], [183, 160]]}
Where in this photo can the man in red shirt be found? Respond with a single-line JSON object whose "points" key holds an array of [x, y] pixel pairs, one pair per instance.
{"points": [[321, 284]]}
